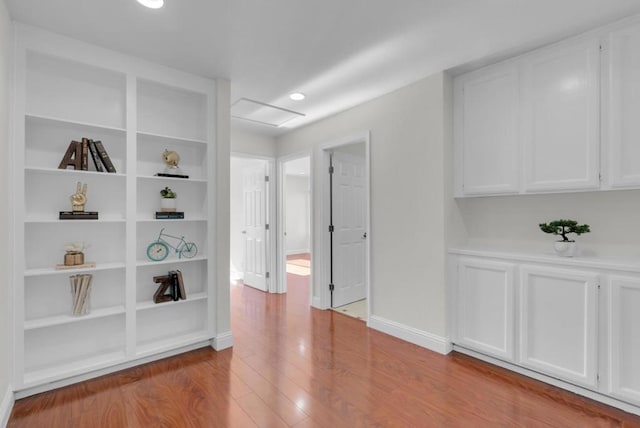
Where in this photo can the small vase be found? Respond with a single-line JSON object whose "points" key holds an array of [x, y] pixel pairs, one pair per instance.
{"points": [[168, 205], [565, 248]]}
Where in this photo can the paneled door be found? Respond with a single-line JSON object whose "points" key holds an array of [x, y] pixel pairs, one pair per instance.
{"points": [[558, 323], [486, 130], [255, 225], [485, 307], [349, 225], [624, 336], [623, 101], [560, 119]]}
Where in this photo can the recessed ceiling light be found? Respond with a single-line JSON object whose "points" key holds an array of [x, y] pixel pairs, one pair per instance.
{"points": [[152, 4], [297, 96]]}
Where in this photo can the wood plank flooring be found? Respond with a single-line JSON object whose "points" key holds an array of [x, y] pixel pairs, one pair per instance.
{"points": [[293, 366]]}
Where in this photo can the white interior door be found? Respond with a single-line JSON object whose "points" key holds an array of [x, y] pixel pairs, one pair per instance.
{"points": [[254, 191], [349, 221]]}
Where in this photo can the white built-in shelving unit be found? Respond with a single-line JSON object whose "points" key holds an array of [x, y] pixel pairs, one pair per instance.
{"points": [[66, 90]]}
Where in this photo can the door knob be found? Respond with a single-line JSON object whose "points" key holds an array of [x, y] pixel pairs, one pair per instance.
{"points": [[364, 236], [244, 231]]}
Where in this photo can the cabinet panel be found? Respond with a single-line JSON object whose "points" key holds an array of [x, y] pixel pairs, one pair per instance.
{"points": [[623, 105], [558, 323], [485, 320], [560, 121], [487, 130], [624, 324]]}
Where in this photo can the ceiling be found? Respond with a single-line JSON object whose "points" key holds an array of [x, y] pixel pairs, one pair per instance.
{"points": [[340, 53]]}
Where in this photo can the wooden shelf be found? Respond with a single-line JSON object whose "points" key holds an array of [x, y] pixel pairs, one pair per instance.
{"points": [[170, 261], [72, 368], [149, 304], [67, 319], [42, 118], [56, 171], [54, 271], [171, 138], [156, 347]]}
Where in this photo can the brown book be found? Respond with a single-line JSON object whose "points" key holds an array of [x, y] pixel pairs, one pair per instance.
{"points": [[94, 155], [84, 165], [104, 156], [181, 291]]}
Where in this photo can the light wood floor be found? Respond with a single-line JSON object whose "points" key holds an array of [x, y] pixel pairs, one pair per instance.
{"points": [[296, 366]]}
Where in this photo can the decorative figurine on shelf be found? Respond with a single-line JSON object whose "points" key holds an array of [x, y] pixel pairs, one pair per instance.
{"points": [[79, 199], [74, 256], [158, 250], [171, 160], [168, 201]]}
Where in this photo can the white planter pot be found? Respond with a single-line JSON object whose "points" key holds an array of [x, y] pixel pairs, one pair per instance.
{"points": [[168, 205], [565, 248]]}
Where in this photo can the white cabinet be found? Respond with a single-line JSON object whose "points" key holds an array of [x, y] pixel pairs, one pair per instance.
{"points": [[486, 130], [65, 91], [530, 124], [621, 106], [572, 322], [558, 323], [624, 337], [560, 117], [485, 300]]}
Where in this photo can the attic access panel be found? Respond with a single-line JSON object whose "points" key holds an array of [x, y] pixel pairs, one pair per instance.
{"points": [[263, 113]]}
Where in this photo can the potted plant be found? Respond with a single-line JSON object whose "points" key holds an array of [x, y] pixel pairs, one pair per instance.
{"points": [[168, 201], [565, 247]]}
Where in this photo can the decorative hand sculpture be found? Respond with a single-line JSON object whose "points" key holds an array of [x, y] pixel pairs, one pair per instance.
{"points": [[79, 198]]}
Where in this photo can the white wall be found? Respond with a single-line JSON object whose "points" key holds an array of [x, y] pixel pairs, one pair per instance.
{"points": [[249, 143], [511, 222], [297, 202], [5, 55], [410, 164]]}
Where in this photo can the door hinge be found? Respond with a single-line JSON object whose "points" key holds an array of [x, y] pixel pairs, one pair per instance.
{"points": [[330, 228], [266, 178], [598, 378], [331, 169], [331, 287], [267, 275], [600, 177], [266, 226]]}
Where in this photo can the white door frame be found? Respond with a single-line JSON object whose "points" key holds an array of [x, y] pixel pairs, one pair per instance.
{"points": [[321, 296], [270, 235], [282, 251]]}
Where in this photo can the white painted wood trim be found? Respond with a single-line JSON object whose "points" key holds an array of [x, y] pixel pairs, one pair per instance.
{"points": [[624, 265], [432, 342], [6, 406], [551, 381], [222, 341]]}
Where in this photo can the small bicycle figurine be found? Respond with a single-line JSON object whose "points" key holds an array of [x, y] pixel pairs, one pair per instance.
{"points": [[159, 249]]}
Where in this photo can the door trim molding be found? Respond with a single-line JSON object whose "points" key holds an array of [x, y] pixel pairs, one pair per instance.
{"points": [[320, 218], [280, 285], [271, 201]]}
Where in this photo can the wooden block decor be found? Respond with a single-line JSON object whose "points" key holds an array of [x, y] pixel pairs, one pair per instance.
{"points": [[171, 287], [72, 157]]}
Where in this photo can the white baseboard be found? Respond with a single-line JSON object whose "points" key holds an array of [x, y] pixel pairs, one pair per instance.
{"points": [[430, 341], [6, 406], [627, 407], [222, 341]]}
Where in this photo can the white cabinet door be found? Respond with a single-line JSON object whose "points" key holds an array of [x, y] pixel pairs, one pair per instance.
{"points": [[621, 107], [485, 320], [624, 336], [560, 118], [487, 130], [558, 323]]}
